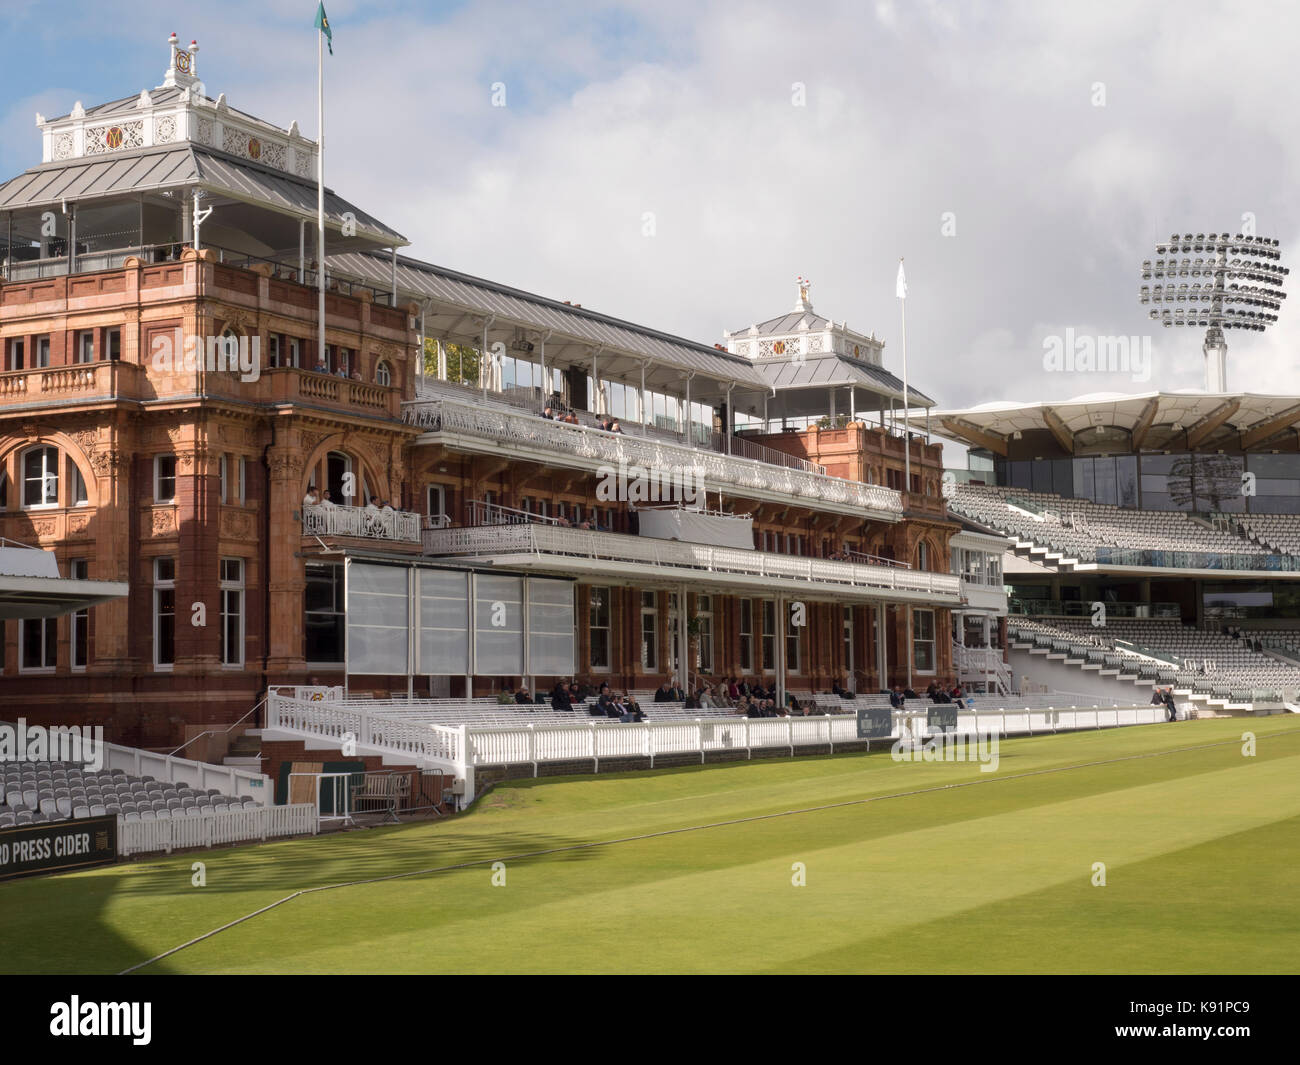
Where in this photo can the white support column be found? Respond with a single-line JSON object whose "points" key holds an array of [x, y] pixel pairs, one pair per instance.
{"points": [[419, 363], [907, 635], [483, 357], [782, 626], [546, 381], [882, 647], [302, 250], [394, 275], [728, 424], [683, 641], [644, 411], [593, 401], [686, 411]]}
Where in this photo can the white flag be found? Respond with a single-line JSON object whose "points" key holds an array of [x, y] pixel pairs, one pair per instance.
{"points": [[902, 282]]}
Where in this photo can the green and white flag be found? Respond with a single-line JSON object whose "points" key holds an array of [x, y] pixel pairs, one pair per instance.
{"points": [[323, 24]]}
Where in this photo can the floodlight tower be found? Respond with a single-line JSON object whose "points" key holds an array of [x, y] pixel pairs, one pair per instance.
{"points": [[1236, 284]]}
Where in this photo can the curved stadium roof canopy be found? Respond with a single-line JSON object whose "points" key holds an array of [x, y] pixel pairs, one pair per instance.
{"points": [[1120, 422]]}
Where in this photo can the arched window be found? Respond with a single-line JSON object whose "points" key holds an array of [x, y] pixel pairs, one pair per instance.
{"points": [[40, 468], [383, 375], [923, 556]]}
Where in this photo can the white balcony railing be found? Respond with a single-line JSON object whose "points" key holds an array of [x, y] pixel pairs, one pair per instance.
{"points": [[610, 449], [361, 523], [544, 540]]}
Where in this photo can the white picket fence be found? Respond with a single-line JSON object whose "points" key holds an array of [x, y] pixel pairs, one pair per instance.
{"points": [[458, 749], [559, 743], [211, 830]]}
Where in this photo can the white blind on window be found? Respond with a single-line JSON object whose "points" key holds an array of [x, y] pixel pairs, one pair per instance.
{"points": [[444, 623], [550, 628], [498, 625], [377, 619]]}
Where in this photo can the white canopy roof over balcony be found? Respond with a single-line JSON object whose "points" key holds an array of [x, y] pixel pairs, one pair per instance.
{"points": [[30, 586], [458, 306]]}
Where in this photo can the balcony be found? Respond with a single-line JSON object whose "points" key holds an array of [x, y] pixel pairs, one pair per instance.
{"points": [[287, 384], [526, 435], [984, 594], [80, 383], [361, 523], [618, 556]]}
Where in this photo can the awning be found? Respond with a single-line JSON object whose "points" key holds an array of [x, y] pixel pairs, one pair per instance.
{"points": [[52, 597], [30, 586]]}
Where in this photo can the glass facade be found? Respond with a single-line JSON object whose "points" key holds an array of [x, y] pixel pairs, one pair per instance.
{"points": [[1242, 599], [1261, 484]]}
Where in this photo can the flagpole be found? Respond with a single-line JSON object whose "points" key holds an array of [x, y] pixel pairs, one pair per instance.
{"points": [[907, 397], [320, 192]]}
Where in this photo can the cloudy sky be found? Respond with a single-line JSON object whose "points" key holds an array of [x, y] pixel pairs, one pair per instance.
{"points": [[679, 163]]}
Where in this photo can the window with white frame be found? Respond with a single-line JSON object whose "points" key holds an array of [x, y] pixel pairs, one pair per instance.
{"points": [[746, 635], [923, 556], [41, 477], [79, 497], [15, 358], [769, 636], [792, 642], [223, 467], [79, 570], [704, 634], [923, 660], [437, 505], [39, 641], [598, 628], [41, 353], [848, 647], [232, 611], [86, 346], [295, 351], [649, 633], [164, 613], [383, 375], [164, 479]]}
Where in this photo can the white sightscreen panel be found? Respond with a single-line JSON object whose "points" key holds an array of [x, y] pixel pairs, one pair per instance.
{"points": [[444, 623], [377, 619], [498, 625], [719, 530], [550, 628]]}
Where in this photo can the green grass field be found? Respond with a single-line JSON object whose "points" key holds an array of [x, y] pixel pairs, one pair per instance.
{"points": [[926, 868]]}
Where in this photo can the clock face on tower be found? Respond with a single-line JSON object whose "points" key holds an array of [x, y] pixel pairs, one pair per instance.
{"points": [[183, 61]]}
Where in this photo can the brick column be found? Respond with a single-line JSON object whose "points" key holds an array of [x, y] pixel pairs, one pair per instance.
{"points": [[286, 575]]}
